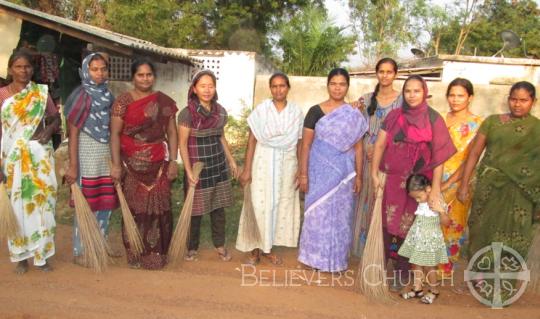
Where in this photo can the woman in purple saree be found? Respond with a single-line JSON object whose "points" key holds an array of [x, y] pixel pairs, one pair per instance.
{"points": [[331, 157]]}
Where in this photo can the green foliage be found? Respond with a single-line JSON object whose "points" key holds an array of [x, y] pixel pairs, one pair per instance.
{"points": [[383, 27], [311, 44]]}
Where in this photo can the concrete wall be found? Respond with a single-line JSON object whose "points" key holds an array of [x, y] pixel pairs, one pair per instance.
{"points": [[490, 73], [10, 30], [308, 91], [235, 72]]}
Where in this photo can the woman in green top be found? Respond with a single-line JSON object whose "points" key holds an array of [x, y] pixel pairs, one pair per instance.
{"points": [[507, 195]]}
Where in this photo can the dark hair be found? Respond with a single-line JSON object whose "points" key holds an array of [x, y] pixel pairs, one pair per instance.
{"points": [[417, 182], [99, 57], [464, 83], [338, 71], [280, 75], [373, 102], [202, 73], [527, 86], [14, 57], [140, 62], [17, 55]]}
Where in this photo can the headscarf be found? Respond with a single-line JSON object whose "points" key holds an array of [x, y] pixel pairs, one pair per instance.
{"points": [[420, 124], [202, 118], [89, 105]]}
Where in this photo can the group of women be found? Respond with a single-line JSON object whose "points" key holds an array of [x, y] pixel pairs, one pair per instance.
{"points": [[334, 154]]}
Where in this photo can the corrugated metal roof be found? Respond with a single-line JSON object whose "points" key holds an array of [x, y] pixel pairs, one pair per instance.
{"points": [[117, 38]]}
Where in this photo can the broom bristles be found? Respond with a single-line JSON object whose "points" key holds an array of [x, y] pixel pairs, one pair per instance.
{"points": [[371, 277], [533, 262], [9, 226], [132, 232], [178, 246], [95, 249], [251, 229]]}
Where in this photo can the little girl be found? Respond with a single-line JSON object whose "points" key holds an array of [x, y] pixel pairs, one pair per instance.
{"points": [[424, 244]]}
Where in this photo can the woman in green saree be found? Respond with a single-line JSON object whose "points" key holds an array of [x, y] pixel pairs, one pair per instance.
{"points": [[507, 195]]}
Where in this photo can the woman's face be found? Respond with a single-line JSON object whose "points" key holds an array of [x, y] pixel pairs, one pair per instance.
{"points": [[21, 70], [279, 89], [98, 70], [458, 99], [520, 102], [205, 89], [144, 78], [386, 74], [413, 92], [338, 87]]}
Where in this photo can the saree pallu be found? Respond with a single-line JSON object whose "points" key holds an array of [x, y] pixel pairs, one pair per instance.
{"points": [[275, 197], [366, 199], [31, 181], [326, 235], [145, 184], [507, 197], [462, 134]]}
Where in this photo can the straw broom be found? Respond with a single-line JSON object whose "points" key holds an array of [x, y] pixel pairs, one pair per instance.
{"points": [[178, 246], [533, 262], [371, 278], [95, 248], [9, 226], [251, 232], [132, 232]]}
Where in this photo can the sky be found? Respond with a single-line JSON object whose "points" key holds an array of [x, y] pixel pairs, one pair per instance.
{"points": [[339, 13]]}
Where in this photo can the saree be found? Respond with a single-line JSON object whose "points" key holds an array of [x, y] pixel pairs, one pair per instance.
{"points": [[275, 197], [462, 134], [417, 142], [507, 196], [31, 181], [366, 199], [143, 149], [326, 235], [89, 108]]}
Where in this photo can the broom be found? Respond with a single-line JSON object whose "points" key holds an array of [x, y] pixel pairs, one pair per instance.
{"points": [[533, 262], [251, 231], [132, 232], [179, 239], [96, 251], [371, 278], [9, 226]]}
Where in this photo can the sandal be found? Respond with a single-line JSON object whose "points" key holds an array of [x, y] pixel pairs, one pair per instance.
{"points": [[430, 297], [223, 254], [274, 259], [254, 259], [413, 294], [191, 255]]}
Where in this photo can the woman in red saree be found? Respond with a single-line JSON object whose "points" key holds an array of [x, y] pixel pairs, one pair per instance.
{"points": [[144, 147]]}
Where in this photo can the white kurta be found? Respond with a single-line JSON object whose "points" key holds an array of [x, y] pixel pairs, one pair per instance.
{"points": [[274, 195]]}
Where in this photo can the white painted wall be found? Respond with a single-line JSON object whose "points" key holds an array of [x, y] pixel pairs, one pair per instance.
{"points": [[486, 73], [235, 72], [10, 30]]}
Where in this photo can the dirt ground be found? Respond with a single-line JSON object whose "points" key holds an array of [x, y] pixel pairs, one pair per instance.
{"points": [[210, 288]]}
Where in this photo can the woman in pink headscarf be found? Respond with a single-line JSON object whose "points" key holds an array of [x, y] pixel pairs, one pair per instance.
{"points": [[412, 139]]}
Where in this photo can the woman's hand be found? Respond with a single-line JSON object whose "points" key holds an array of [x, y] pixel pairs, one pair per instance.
{"points": [[463, 193], [172, 171], [445, 186], [434, 199], [245, 177], [375, 181], [303, 183], [359, 104], [43, 137], [116, 173], [357, 184], [71, 174], [234, 168], [191, 179], [369, 153]]}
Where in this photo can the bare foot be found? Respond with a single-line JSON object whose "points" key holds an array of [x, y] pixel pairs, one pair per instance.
{"points": [[22, 267], [46, 268]]}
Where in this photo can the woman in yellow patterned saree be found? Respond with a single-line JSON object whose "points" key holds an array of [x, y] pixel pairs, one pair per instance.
{"points": [[28, 120], [462, 125]]}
